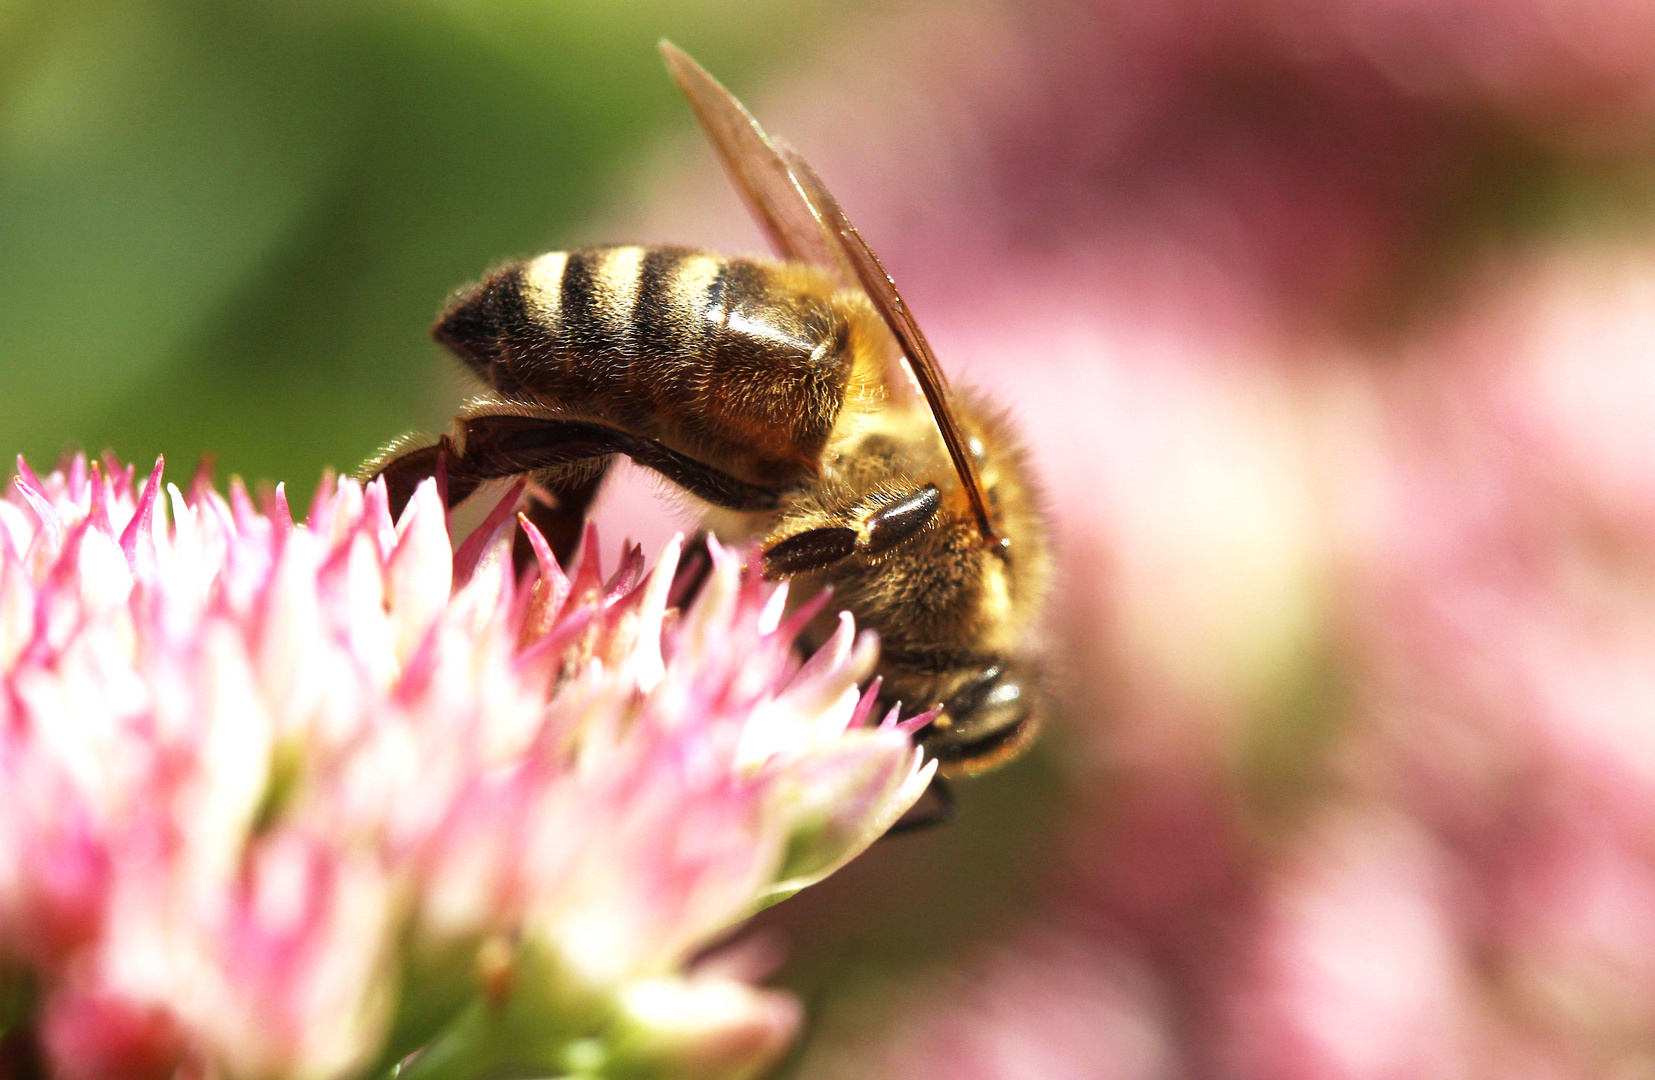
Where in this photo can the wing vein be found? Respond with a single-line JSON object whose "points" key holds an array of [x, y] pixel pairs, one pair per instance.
{"points": [[805, 223]]}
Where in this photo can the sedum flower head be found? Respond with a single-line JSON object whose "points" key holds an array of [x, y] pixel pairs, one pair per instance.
{"points": [[313, 800]]}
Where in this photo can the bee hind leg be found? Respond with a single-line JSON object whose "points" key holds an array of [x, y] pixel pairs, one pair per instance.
{"points": [[553, 448], [560, 453], [558, 511], [506, 444], [404, 473]]}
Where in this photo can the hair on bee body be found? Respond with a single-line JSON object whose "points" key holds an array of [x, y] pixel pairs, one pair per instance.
{"points": [[797, 399]]}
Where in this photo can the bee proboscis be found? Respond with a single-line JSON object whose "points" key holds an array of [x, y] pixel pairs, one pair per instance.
{"points": [[798, 399]]}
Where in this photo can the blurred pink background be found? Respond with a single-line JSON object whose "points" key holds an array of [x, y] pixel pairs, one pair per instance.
{"points": [[1331, 324]]}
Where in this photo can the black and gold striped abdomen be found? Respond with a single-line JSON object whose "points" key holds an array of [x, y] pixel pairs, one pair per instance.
{"points": [[739, 363]]}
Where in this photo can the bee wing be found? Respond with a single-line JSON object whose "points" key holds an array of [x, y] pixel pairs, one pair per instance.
{"points": [[806, 223], [774, 196], [876, 282]]}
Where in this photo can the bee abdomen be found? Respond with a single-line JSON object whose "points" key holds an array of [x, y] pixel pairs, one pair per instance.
{"points": [[741, 363]]}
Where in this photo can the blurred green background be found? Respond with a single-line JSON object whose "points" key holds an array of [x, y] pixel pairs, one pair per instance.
{"points": [[227, 225]]}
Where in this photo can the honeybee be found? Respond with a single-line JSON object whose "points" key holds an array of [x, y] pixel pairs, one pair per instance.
{"points": [[800, 402]]}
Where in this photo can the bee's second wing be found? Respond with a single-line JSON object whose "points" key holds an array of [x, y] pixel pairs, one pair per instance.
{"points": [[870, 274], [775, 197], [805, 223]]}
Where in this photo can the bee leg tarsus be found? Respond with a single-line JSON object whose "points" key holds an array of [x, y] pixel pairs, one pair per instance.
{"points": [[936, 806], [902, 519], [813, 549]]}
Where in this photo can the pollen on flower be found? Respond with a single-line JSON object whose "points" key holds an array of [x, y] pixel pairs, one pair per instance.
{"points": [[304, 799]]}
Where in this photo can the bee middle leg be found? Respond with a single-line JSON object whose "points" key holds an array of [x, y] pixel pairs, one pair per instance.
{"points": [[817, 549]]}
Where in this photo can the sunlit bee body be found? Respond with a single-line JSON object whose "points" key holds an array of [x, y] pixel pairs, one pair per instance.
{"points": [[777, 393]]}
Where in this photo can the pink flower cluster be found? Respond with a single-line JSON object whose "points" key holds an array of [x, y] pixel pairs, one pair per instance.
{"points": [[300, 800]]}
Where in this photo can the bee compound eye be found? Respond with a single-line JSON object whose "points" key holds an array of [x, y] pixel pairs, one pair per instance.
{"points": [[995, 714], [971, 693], [987, 721]]}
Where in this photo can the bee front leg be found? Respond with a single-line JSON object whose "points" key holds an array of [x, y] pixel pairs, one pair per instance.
{"points": [[936, 806]]}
